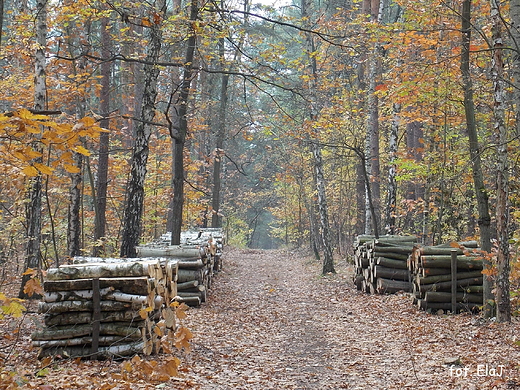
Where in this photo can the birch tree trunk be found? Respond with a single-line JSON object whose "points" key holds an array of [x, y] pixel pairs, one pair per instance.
{"points": [[502, 294], [135, 188], [328, 260], [33, 208], [180, 136], [484, 220], [104, 140]]}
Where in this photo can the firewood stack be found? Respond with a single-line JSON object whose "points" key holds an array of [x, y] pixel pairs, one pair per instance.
{"points": [[430, 267], [199, 256], [381, 263], [104, 308]]}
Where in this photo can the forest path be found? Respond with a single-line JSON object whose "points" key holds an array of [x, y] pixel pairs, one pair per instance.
{"points": [[272, 322]]}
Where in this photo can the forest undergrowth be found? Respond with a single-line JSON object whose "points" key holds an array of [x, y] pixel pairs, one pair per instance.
{"points": [[272, 322]]}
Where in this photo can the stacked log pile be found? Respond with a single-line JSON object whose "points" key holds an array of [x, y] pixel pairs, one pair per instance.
{"points": [[107, 307], [199, 257], [430, 267], [381, 263]]}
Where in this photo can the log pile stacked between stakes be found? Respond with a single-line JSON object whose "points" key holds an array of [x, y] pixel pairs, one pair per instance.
{"points": [[433, 280], [104, 308], [199, 257], [381, 263]]}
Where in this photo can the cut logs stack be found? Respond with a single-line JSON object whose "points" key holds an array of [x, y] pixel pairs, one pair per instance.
{"points": [[199, 257], [381, 263], [430, 267], [104, 308]]}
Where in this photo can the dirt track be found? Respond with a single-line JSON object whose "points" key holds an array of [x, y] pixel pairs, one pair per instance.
{"points": [[271, 322]]}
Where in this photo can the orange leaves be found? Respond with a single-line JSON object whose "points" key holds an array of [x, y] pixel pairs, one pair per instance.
{"points": [[150, 370], [33, 285], [29, 134], [182, 339]]}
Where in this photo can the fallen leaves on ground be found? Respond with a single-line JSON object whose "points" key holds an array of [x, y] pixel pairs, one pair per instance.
{"points": [[272, 322]]}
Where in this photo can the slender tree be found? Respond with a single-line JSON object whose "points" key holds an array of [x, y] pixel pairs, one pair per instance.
{"points": [[104, 140], [484, 220], [514, 17], [135, 188], [180, 135], [34, 206], [502, 294], [313, 112]]}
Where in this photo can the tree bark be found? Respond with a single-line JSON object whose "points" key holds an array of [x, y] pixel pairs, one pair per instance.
{"points": [[372, 161], [484, 220], [126, 284], [391, 204], [180, 136], [216, 220], [502, 294], [104, 141], [514, 17], [34, 206], [135, 188], [130, 269], [328, 260]]}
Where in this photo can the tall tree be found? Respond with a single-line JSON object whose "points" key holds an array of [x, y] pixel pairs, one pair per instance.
{"points": [[374, 9], [514, 17], [481, 192], [135, 189], [104, 139], [216, 220], [503, 300], [313, 113], [34, 206], [180, 135]]}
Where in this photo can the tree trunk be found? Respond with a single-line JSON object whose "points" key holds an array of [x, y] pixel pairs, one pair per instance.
{"points": [[1, 20], [481, 193], [391, 204], [135, 188], [503, 300], [514, 17], [372, 127], [34, 206], [104, 139], [126, 284], [328, 260], [180, 135], [360, 198]]}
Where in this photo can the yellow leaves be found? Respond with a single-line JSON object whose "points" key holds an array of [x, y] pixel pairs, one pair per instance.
{"points": [[145, 311], [81, 150], [10, 307], [30, 171], [29, 134]]}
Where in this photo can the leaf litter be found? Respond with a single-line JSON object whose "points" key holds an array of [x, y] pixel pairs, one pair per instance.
{"points": [[272, 322]]}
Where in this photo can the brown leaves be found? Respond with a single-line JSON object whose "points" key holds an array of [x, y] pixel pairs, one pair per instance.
{"points": [[150, 370]]}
